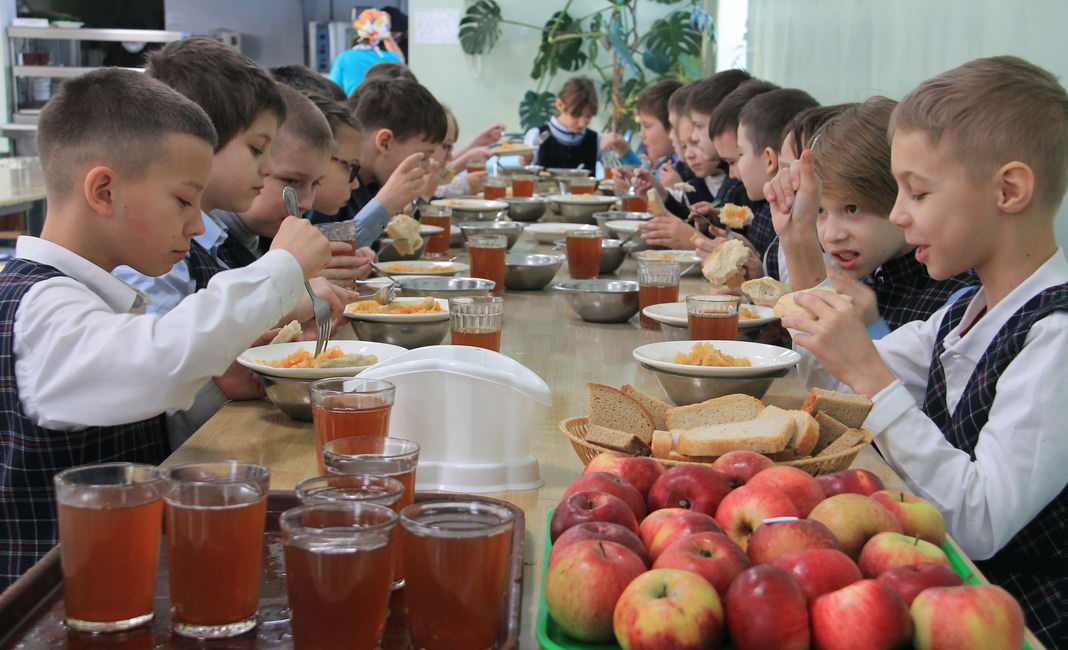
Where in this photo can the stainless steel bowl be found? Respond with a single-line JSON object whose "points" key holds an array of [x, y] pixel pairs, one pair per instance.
{"points": [[601, 301], [526, 208], [443, 287], [613, 252], [405, 334], [510, 229], [617, 215], [530, 271], [290, 395], [581, 212], [508, 170], [687, 389], [560, 172], [388, 252], [463, 214]]}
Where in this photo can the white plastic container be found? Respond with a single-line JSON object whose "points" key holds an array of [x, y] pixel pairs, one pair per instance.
{"points": [[471, 410]]}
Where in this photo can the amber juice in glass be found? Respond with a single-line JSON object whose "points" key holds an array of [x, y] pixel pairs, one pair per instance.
{"points": [[350, 406], [523, 185], [583, 185], [487, 254], [658, 282], [474, 166], [583, 253], [437, 215], [477, 321], [496, 187], [634, 203], [712, 317], [109, 530]]}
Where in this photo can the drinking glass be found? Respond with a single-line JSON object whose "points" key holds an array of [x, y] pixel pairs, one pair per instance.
{"points": [[456, 563], [523, 185], [658, 282], [583, 253], [712, 317], [583, 185], [368, 488], [487, 258], [437, 215], [350, 406], [215, 519], [477, 321], [337, 558], [394, 458], [475, 165], [110, 516], [634, 203], [495, 187]]}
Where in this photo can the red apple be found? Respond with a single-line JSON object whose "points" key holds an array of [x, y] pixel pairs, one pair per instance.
{"points": [[918, 516], [748, 506], [850, 481], [694, 487], [910, 580], [741, 465], [888, 550], [713, 556], [819, 570], [655, 520], [795, 483], [682, 525], [767, 609], [590, 506], [854, 519], [784, 534], [583, 585], [668, 608], [977, 617], [639, 471], [602, 530], [866, 614], [611, 484]]}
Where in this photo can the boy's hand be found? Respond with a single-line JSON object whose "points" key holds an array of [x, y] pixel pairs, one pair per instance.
{"points": [[864, 301], [488, 136], [647, 180], [404, 184], [364, 258], [305, 242], [754, 266], [795, 184], [668, 175], [344, 264], [476, 180], [477, 153], [430, 184], [240, 383], [620, 179], [667, 230], [337, 297], [840, 342], [614, 142]]}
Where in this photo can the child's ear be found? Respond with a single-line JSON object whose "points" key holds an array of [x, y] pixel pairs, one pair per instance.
{"points": [[99, 190], [1016, 187], [383, 139], [771, 161], [559, 105]]}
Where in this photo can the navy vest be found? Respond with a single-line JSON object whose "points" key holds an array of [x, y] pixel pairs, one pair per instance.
{"points": [[556, 154], [31, 455], [1033, 565], [202, 266]]}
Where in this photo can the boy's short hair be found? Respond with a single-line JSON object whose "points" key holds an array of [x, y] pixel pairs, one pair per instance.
{"points": [[654, 99], [679, 98], [337, 114], [404, 107], [229, 86], [390, 70], [112, 115], [804, 126], [307, 81], [579, 96], [852, 157], [765, 115], [725, 117], [994, 110], [305, 121], [706, 94]]}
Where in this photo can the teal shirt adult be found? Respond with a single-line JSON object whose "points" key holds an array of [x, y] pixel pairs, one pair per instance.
{"points": [[351, 65]]}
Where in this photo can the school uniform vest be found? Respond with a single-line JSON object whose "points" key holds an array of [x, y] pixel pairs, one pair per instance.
{"points": [[1033, 565], [31, 455], [202, 266], [553, 153], [906, 292]]}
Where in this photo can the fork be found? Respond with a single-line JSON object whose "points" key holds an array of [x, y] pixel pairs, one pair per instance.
{"points": [[320, 307]]}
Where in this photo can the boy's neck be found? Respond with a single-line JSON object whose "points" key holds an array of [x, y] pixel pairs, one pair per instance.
{"points": [[64, 227], [1023, 248], [368, 158]]}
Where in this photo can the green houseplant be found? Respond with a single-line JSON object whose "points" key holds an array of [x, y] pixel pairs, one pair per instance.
{"points": [[606, 45]]}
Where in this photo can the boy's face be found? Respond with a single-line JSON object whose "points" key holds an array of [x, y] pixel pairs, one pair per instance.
{"points": [[755, 167], [297, 165], [572, 119], [241, 165], [386, 153], [655, 137], [160, 210], [858, 240], [334, 191], [726, 147], [700, 135], [944, 213]]}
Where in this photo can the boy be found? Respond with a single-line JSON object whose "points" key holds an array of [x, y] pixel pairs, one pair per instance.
{"points": [[126, 161], [969, 404], [306, 80]]}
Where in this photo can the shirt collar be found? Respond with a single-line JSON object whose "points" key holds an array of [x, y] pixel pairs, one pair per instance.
{"points": [[119, 296], [555, 124], [214, 233]]}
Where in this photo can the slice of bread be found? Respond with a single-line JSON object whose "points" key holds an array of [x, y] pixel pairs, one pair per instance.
{"points": [[767, 433], [806, 434], [718, 410], [783, 456], [787, 307], [619, 440], [657, 408], [723, 266], [765, 291], [830, 430], [845, 441], [662, 444], [849, 409], [610, 408]]}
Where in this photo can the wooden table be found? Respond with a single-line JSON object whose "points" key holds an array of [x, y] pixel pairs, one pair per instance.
{"points": [[541, 332]]}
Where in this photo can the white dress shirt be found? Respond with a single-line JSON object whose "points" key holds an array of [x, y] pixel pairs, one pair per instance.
{"points": [[86, 355], [1022, 451]]}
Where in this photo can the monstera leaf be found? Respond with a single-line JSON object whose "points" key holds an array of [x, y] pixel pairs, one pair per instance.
{"points": [[536, 109], [674, 35], [480, 27], [555, 54], [656, 61]]}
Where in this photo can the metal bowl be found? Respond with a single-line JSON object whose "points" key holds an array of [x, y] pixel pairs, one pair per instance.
{"points": [[290, 395], [405, 334], [526, 208], [601, 301], [581, 211], [687, 389], [510, 229], [508, 170], [530, 271], [617, 215], [444, 287], [472, 211], [613, 252], [560, 172]]}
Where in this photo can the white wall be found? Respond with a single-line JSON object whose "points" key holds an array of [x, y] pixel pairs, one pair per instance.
{"points": [[272, 31], [848, 50]]}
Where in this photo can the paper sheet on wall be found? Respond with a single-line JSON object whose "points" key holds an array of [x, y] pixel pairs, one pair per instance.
{"points": [[436, 26]]}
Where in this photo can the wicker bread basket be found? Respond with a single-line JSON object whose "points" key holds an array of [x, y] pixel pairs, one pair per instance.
{"points": [[575, 430]]}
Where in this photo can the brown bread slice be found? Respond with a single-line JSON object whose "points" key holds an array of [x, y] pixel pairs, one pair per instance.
{"points": [[845, 441], [623, 441], [657, 408], [718, 410], [830, 430], [767, 433], [610, 408], [849, 409]]}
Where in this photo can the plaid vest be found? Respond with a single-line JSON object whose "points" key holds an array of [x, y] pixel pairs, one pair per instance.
{"points": [[1033, 565], [31, 455], [202, 266], [905, 292]]}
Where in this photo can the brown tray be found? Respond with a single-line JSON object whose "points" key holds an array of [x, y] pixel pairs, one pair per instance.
{"points": [[31, 609]]}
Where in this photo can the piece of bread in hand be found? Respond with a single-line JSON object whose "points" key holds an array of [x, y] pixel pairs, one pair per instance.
{"points": [[291, 332], [405, 233], [624, 441], [723, 266], [718, 410], [848, 408], [657, 408], [735, 216], [610, 408], [848, 439], [765, 291], [767, 433], [786, 305]]}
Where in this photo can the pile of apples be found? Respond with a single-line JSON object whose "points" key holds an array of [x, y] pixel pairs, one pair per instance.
{"points": [[763, 553]]}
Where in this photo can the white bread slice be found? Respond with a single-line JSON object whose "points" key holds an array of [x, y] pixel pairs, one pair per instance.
{"points": [[723, 266], [662, 444], [718, 410], [845, 441], [849, 409], [787, 307], [767, 433], [610, 408], [765, 291], [657, 408], [619, 440], [806, 434], [830, 430]]}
